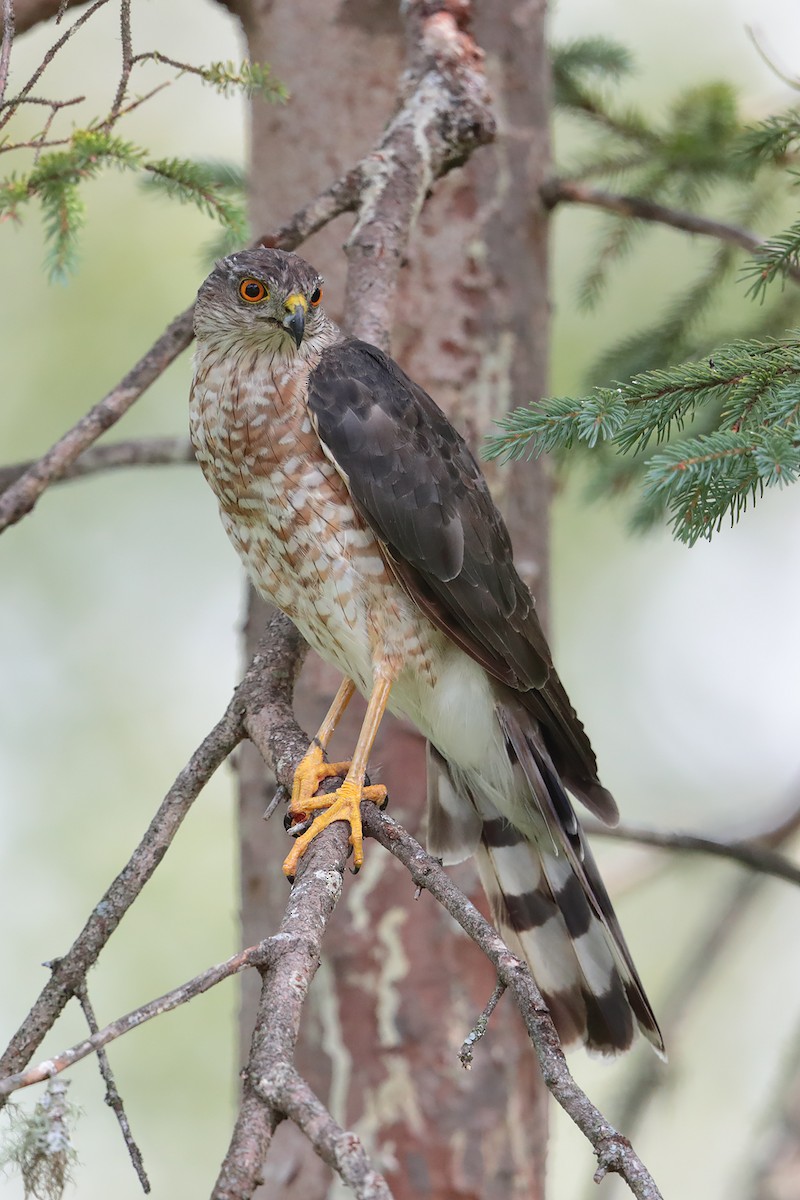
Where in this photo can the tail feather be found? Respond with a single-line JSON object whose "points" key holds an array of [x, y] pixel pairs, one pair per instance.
{"points": [[544, 889]]}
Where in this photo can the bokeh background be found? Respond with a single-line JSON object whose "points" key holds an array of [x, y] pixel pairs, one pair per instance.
{"points": [[120, 602]]}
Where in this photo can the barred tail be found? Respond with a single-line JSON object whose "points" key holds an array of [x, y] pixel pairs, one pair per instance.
{"points": [[545, 892]]}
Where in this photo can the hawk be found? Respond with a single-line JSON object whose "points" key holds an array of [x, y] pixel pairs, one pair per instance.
{"points": [[358, 510]]}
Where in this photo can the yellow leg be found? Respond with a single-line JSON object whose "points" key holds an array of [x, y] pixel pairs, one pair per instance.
{"points": [[345, 803], [312, 768]]}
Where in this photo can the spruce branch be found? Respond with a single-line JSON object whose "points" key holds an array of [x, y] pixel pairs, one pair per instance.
{"points": [[57, 177], [699, 479], [773, 140], [776, 258], [253, 79], [192, 183]]}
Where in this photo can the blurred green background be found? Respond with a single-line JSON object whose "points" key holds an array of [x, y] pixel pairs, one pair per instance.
{"points": [[120, 601]]}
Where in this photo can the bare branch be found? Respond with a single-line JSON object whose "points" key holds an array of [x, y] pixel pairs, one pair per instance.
{"points": [[614, 1152], [12, 106], [342, 1150], [69, 971], [560, 191], [139, 452], [127, 62], [113, 1098], [481, 1025], [254, 956], [749, 854]]}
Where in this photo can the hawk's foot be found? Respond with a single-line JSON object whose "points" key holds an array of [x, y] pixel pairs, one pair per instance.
{"points": [[310, 773], [342, 805]]}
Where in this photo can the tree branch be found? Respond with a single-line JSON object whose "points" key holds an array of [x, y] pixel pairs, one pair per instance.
{"points": [[138, 452], [614, 1152], [747, 853], [268, 679], [272, 1088], [253, 956], [560, 191], [112, 1097]]}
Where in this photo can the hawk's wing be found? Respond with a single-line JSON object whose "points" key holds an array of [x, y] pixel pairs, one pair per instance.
{"points": [[415, 482]]}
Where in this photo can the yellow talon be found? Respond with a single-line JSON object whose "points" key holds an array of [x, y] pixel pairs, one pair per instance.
{"points": [[345, 803], [342, 805], [310, 772]]}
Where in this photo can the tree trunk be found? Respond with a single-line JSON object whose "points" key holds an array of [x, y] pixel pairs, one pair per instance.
{"points": [[399, 988]]}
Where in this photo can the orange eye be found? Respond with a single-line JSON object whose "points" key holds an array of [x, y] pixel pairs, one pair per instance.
{"points": [[316, 296], [253, 290]]}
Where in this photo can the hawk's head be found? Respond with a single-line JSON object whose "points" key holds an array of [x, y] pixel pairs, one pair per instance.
{"points": [[265, 298]]}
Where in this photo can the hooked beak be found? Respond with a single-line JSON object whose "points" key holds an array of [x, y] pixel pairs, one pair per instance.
{"points": [[295, 320]]}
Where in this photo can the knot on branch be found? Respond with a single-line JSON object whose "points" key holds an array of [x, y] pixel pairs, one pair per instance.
{"points": [[612, 1152]]}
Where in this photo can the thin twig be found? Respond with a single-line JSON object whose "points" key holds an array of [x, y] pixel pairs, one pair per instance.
{"points": [[784, 76], [134, 104], [127, 62], [253, 956], [614, 1152], [480, 1027], [748, 854], [44, 102], [48, 58], [560, 191], [113, 1098], [138, 452]]}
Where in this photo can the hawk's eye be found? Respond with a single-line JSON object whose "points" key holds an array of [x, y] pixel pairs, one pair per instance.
{"points": [[253, 290], [316, 296]]}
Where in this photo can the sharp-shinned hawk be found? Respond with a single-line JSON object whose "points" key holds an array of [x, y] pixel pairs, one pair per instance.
{"points": [[358, 510]]}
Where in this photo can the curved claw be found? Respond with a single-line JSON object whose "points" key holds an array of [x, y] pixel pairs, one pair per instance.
{"points": [[342, 805]]}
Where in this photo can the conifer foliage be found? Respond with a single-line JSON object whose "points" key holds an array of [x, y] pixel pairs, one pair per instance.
{"points": [[58, 163], [700, 440]]}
